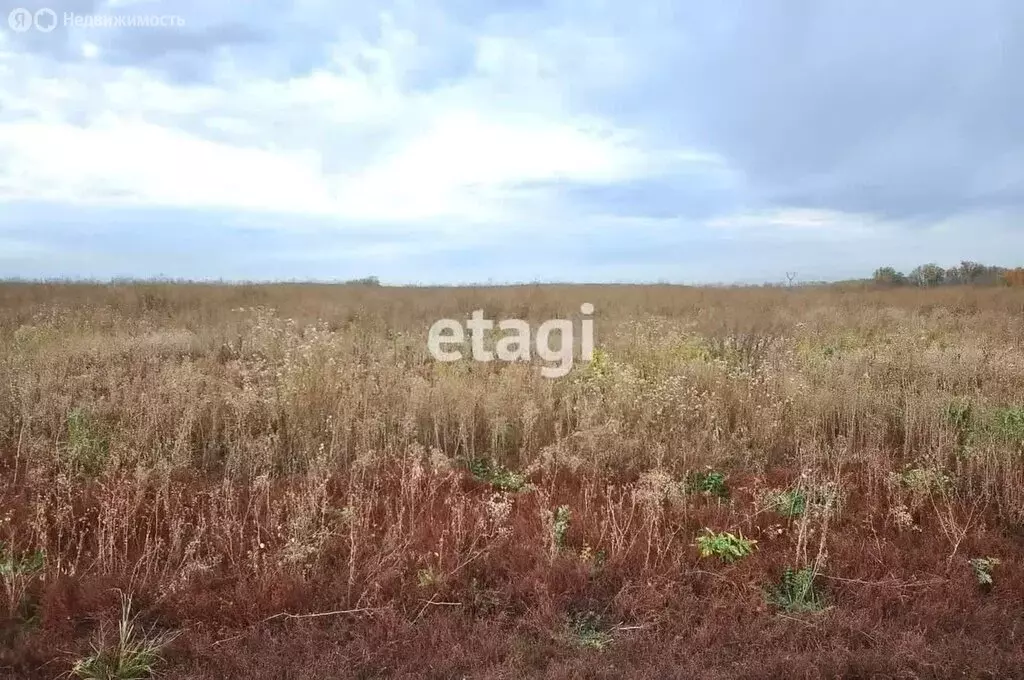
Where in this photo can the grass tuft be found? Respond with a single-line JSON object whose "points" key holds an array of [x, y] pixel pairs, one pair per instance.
{"points": [[133, 655]]}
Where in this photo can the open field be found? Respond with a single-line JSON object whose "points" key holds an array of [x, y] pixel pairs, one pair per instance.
{"points": [[288, 486]]}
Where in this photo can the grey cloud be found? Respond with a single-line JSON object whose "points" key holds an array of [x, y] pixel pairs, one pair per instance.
{"points": [[897, 108], [908, 109], [680, 195], [135, 46]]}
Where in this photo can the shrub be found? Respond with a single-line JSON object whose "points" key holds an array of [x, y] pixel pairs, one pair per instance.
{"points": [[725, 546], [922, 481], [983, 567], [791, 502], [560, 526], [87, 450], [11, 566], [497, 475], [1008, 423], [797, 591], [709, 482], [598, 370], [588, 630], [959, 414]]}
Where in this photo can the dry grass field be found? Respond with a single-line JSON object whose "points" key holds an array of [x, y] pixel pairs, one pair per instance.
{"points": [[278, 481]]}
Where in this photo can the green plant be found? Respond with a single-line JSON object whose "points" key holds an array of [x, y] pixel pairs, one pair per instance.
{"points": [[725, 546], [959, 414], [797, 591], [16, 573], [598, 370], [588, 630], [710, 482], [692, 349], [87, 451], [28, 564], [744, 350], [922, 481], [560, 526], [1008, 423], [791, 502], [983, 567], [496, 475], [133, 655]]}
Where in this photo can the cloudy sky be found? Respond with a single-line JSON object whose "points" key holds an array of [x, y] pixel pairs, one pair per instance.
{"points": [[424, 141]]}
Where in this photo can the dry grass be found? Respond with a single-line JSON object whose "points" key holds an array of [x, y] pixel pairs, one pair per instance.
{"points": [[284, 476]]}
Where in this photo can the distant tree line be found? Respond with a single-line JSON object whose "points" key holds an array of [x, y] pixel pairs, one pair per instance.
{"points": [[966, 273], [365, 281]]}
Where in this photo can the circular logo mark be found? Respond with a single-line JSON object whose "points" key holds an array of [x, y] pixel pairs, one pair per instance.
{"points": [[46, 20], [20, 19]]}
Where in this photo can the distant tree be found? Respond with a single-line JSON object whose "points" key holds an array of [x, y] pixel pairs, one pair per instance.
{"points": [[966, 273], [929, 274], [366, 281], [974, 273], [991, 276], [888, 276]]}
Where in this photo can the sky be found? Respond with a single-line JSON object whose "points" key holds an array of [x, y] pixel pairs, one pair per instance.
{"points": [[475, 141]]}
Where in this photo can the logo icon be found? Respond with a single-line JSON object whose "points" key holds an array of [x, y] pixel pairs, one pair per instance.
{"points": [[46, 20], [20, 19]]}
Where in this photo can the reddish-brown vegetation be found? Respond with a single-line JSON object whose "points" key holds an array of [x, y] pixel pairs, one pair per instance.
{"points": [[281, 475]]}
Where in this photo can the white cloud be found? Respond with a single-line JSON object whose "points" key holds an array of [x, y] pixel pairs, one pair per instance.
{"points": [[455, 165], [564, 126], [348, 141], [813, 223], [123, 161], [462, 163]]}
